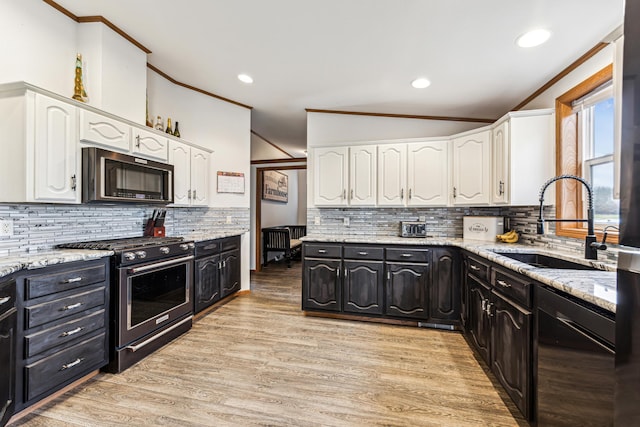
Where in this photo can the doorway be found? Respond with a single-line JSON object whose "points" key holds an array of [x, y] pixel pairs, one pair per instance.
{"points": [[270, 213]]}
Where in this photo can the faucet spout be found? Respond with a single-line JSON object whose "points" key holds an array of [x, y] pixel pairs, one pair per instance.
{"points": [[590, 250]]}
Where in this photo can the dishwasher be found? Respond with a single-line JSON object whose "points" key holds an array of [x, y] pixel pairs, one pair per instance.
{"points": [[575, 362]]}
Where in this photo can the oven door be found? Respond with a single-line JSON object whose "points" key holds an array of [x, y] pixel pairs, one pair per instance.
{"points": [[153, 296]]}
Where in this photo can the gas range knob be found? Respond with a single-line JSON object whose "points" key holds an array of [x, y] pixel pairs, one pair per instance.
{"points": [[165, 250], [141, 254], [129, 256], [184, 247]]}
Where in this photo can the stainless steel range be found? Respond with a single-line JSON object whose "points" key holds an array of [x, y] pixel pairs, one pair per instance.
{"points": [[151, 294]]}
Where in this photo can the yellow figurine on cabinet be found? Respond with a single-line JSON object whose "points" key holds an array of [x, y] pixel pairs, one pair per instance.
{"points": [[79, 93]]}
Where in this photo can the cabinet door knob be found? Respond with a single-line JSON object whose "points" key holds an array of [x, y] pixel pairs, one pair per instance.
{"points": [[454, 192], [402, 194], [352, 194], [189, 194], [73, 182], [137, 141], [344, 193], [194, 194], [409, 194], [501, 188], [473, 267]]}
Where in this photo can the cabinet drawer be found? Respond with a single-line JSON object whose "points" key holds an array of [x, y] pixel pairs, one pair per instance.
{"points": [[64, 333], [478, 268], [408, 255], [98, 129], [230, 243], [209, 247], [363, 252], [322, 251], [57, 309], [45, 284], [512, 286], [69, 364]]}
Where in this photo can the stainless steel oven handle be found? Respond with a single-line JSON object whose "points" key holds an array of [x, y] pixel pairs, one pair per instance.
{"points": [[160, 264], [134, 348]]}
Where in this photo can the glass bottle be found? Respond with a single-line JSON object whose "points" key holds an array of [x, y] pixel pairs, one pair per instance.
{"points": [[176, 131], [168, 129], [159, 123]]}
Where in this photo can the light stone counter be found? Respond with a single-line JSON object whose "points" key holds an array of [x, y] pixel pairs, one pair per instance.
{"points": [[202, 236], [12, 264], [597, 287]]}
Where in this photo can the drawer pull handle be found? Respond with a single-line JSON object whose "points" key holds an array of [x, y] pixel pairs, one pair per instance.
{"points": [[71, 306], [71, 332], [406, 255], [72, 280], [473, 267], [504, 284], [322, 251], [72, 364], [363, 253], [4, 300]]}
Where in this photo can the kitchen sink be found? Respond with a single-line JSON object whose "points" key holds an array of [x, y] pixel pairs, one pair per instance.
{"points": [[545, 261]]}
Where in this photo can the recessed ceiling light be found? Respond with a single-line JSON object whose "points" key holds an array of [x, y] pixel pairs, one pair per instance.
{"points": [[533, 38], [420, 83], [244, 78]]}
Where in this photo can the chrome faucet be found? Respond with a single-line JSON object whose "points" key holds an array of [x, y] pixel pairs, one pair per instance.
{"points": [[590, 245]]}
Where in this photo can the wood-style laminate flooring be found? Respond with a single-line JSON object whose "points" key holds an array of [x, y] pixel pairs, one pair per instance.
{"points": [[258, 360]]}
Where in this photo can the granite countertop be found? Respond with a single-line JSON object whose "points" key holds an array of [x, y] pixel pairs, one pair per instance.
{"points": [[31, 261], [201, 236], [595, 286]]}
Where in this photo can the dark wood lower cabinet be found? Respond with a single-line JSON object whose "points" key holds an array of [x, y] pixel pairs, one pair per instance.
{"points": [[479, 325], [229, 272], [444, 299], [8, 318], [321, 284], [511, 350], [407, 290], [207, 283], [363, 287], [501, 332]]}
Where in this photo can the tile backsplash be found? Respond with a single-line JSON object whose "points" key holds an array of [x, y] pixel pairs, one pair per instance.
{"points": [[442, 222], [40, 227]]}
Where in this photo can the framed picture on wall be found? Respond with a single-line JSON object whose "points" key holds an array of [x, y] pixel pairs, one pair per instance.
{"points": [[275, 186]]}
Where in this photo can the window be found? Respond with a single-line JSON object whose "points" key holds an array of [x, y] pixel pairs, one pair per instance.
{"points": [[584, 138]]}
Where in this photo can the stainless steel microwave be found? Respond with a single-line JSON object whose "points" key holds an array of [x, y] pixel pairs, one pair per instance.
{"points": [[114, 177]]}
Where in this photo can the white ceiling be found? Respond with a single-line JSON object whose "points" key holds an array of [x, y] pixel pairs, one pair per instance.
{"points": [[359, 55]]}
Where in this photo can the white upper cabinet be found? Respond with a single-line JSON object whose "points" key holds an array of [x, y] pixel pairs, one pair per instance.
{"points": [[428, 174], [149, 144], [96, 129], [500, 150], [392, 174], [362, 175], [200, 177], [523, 156], [330, 182], [191, 174], [55, 153], [472, 169]]}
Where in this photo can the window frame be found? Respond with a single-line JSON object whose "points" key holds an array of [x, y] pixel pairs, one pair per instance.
{"points": [[569, 193]]}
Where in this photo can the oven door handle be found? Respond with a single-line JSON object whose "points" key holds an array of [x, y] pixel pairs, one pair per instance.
{"points": [[159, 264], [134, 348]]}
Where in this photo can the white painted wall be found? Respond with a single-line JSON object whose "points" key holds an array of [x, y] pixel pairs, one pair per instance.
{"points": [[114, 70], [547, 99], [211, 123], [38, 45], [261, 150], [302, 197]]}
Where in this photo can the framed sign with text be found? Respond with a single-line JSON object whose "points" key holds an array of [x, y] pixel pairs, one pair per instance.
{"points": [[275, 186]]}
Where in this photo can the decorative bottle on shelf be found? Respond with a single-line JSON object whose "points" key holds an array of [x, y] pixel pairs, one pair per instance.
{"points": [[159, 123], [79, 93], [176, 131], [168, 129]]}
